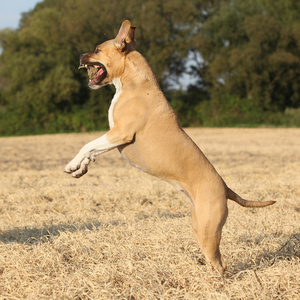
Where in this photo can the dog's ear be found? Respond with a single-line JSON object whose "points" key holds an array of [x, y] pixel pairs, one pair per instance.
{"points": [[130, 38], [125, 37]]}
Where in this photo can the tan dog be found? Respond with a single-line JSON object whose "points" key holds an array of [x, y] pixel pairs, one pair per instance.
{"points": [[145, 129]]}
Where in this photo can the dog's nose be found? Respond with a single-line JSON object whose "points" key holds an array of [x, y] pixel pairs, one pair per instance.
{"points": [[80, 57], [81, 65]]}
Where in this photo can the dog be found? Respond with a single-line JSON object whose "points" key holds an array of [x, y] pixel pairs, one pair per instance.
{"points": [[145, 129]]}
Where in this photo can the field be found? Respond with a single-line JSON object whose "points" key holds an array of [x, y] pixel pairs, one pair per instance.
{"points": [[117, 233]]}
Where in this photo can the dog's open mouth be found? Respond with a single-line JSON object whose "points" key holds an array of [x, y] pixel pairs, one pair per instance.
{"points": [[96, 72]]}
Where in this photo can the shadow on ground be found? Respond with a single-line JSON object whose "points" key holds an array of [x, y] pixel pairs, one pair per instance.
{"points": [[33, 235]]}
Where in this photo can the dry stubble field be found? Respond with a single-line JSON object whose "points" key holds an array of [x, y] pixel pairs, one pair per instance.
{"points": [[118, 233]]}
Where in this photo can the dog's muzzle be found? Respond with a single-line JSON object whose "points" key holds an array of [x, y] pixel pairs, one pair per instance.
{"points": [[96, 71]]}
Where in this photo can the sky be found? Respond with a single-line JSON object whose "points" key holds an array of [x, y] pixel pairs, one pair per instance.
{"points": [[10, 11]]}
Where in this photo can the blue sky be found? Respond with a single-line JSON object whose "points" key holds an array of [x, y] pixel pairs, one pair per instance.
{"points": [[10, 11]]}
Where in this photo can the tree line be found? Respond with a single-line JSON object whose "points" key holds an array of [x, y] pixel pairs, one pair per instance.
{"points": [[242, 58]]}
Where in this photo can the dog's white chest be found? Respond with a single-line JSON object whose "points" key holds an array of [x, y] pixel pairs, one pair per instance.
{"points": [[118, 85]]}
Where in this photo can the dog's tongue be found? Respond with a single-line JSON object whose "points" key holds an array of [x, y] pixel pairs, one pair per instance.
{"points": [[100, 72]]}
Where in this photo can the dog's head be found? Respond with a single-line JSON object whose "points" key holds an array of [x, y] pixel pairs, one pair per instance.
{"points": [[108, 60]]}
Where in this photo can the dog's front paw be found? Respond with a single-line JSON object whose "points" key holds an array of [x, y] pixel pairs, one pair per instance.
{"points": [[77, 167], [73, 165]]}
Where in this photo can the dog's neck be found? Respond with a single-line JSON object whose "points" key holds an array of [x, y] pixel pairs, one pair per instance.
{"points": [[118, 85], [137, 70]]}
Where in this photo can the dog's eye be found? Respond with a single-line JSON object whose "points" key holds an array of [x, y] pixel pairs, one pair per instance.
{"points": [[97, 51]]}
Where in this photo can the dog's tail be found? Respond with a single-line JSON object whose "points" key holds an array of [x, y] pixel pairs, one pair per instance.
{"points": [[246, 203]]}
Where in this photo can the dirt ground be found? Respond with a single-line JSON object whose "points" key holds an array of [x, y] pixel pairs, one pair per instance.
{"points": [[117, 233]]}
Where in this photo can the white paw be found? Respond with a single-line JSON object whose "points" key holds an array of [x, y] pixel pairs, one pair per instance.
{"points": [[77, 167], [73, 165]]}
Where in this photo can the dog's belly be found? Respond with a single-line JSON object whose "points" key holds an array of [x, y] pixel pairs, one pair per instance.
{"points": [[162, 170], [167, 154], [131, 162], [143, 158]]}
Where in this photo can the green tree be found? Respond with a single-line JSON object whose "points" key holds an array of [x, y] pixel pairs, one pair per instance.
{"points": [[252, 51], [44, 91], [244, 50]]}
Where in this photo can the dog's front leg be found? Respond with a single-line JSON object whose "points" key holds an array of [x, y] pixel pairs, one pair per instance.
{"points": [[78, 166]]}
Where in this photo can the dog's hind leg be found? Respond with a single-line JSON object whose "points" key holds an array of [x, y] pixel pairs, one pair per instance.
{"points": [[208, 220]]}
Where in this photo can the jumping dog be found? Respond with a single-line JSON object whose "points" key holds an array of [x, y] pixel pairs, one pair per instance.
{"points": [[146, 131]]}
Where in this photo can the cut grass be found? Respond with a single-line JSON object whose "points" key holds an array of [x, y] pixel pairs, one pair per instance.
{"points": [[118, 233]]}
